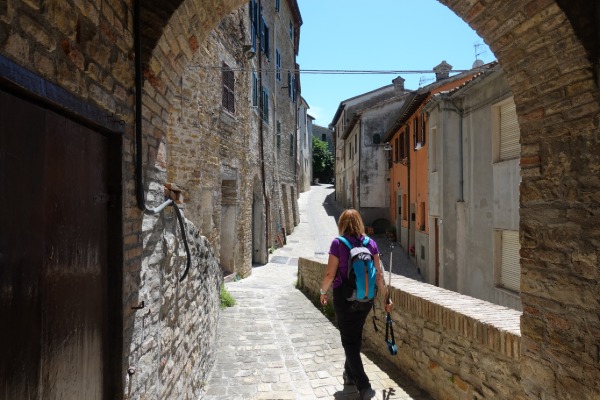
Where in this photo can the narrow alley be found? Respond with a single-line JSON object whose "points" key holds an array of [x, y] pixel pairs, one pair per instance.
{"points": [[275, 344]]}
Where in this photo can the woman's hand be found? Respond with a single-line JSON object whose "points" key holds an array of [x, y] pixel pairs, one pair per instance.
{"points": [[388, 306], [324, 298]]}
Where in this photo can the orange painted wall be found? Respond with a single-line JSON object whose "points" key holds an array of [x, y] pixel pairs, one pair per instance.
{"points": [[419, 164]]}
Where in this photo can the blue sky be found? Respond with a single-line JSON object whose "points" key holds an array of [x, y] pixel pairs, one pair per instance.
{"points": [[399, 35]]}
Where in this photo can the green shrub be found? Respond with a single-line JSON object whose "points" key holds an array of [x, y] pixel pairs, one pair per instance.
{"points": [[227, 299]]}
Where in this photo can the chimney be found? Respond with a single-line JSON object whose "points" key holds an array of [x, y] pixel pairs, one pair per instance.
{"points": [[442, 71], [398, 84]]}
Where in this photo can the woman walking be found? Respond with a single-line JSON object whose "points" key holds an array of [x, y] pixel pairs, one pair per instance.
{"points": [[351, 315]]}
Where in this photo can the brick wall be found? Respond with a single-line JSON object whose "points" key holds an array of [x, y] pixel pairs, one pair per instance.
{"points": [[453, 346]]}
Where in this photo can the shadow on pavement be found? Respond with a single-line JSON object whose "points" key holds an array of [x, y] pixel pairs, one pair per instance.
{"points": [[331, 207]]}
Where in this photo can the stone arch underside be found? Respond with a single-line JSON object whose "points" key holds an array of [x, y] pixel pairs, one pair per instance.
{"points": [[551, 73]]}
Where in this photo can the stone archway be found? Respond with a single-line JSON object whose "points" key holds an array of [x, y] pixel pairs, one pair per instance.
{"points": [[547, 53]]}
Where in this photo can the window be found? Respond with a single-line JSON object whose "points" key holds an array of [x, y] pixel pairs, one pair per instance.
{"points": [[291, 30], [324, 137], [355, 143], [254, 18], [397, 149], [506, 131], [277, 5], [228, 89], [419, 131], [265, 105], [507, 259], [278, 135], [405, 207], [402, 145], [294, 92], [278, 65], [416, 137], [265, 39], [254, 90], [289, 85], [292, 144], [423, 130]]}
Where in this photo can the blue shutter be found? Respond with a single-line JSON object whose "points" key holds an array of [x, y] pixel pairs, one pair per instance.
{"points": [[254, 90], [278, 64]]}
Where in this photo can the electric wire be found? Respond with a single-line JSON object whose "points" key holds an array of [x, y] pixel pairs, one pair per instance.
{"points": [[328, 71]]}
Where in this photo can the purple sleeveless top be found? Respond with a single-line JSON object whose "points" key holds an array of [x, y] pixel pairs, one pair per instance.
{"points": [[342, 252]]}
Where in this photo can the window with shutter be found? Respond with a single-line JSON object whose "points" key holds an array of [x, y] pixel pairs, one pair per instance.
{"points": [[506, 132], [265, 105], [508, 260], [254, 90], [228, 89], [278, 64], [509, 132], [265, 39]]}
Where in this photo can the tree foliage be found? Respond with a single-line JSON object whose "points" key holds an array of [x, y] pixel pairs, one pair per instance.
{"points": [[322, 160]]}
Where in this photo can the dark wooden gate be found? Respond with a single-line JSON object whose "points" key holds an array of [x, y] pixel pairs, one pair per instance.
{"points": [[56, 291]]}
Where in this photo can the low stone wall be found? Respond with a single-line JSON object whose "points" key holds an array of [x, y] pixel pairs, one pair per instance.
{"points": [[453, 346]]}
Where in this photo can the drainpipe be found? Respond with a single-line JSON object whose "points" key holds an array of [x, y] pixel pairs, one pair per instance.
{"points": [[139, 177], [260, 128]]}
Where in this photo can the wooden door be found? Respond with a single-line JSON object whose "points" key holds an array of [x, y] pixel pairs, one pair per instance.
{"points": [[54, 255]]}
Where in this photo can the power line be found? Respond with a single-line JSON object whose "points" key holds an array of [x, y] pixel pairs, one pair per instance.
{"points": [[327, 71]]}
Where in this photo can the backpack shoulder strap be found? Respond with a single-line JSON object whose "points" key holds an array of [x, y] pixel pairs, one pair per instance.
{"points": [[366, 241], [345, 241]]}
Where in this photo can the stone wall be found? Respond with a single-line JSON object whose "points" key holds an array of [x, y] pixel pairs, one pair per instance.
{"points": [[208, 146], [171, 340], [451, 345]]}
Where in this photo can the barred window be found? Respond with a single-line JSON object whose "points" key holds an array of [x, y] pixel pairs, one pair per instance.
{"points": [[228, 89]]}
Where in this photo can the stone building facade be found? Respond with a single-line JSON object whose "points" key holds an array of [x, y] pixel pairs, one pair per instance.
{"points": [[360, 164], [305, 131], [223, 153], [152, 298], [74, 64]]}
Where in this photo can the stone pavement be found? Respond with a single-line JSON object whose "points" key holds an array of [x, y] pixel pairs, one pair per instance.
{"points": [[275, 344]]}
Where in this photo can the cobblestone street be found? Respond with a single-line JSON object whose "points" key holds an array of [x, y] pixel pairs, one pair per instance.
{"points": [[275, 344]]}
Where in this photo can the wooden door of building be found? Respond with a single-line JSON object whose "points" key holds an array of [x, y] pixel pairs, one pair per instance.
{"points": [[54, 255]]}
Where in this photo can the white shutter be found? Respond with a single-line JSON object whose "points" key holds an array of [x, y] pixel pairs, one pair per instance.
{"points": [[510, 272], [509, 132]]}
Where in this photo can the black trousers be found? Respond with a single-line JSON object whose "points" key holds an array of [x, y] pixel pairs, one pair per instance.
{"points": [[351, 316]]}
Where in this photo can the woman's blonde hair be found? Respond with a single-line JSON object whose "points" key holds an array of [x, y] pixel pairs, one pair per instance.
{"points": [[351, 223]]}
